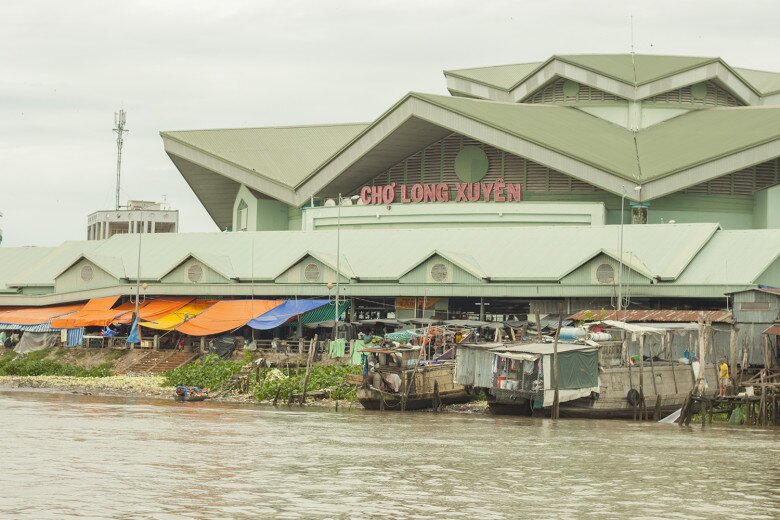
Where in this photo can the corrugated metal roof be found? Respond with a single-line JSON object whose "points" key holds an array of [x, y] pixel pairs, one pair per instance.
{"points": [[648, 67], [764, 81], [282, 154], [679, 143], [735, 257], [16, 261], [664, 250], [617, 66], [568, 131], [704, 135], [661, 316], [502, 76]]}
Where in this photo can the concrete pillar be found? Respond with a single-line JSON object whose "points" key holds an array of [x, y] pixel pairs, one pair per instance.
{"points": [[156, 342], [153, 226], [481, 309]]}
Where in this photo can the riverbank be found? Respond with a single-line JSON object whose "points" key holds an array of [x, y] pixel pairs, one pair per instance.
{"points": [[154, 387]]}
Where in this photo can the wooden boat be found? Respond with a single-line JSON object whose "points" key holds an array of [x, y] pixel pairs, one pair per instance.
{"points": [[400, 382], [190, 394]]}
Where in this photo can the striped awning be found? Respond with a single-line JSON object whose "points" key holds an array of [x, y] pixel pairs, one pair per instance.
{"points": [[324, 313]]}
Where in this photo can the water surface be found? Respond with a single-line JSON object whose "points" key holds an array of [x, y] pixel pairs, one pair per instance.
{"points": [[75, 456]]}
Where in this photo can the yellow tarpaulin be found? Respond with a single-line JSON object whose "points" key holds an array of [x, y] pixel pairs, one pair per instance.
{"points": [[226, 315], [174, 319]]}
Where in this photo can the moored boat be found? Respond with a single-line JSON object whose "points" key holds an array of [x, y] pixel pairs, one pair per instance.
{"points": [[190, 393], [398, 380]]}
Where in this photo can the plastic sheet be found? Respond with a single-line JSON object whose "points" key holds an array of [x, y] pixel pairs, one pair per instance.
{"points": [[226, 315]]}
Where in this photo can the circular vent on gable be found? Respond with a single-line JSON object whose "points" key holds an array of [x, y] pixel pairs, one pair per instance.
{"points": [[87, 273], [605, 274], [311, 272], [439, 273], [195, 273]]}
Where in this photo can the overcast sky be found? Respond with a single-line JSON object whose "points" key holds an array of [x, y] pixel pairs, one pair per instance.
{"points": [[66, 66]]}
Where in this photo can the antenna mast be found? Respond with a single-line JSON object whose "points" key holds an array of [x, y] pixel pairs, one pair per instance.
{"points": [[119, 130]]}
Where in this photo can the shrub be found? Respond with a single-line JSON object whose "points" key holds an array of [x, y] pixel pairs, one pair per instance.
{"points": [[34, 364], [208, 372], [322, 377]]}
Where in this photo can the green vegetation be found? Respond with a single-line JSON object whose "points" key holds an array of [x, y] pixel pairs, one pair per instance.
{"points": [[322, 377], [215, 374], [208, 372], [36, 364]]}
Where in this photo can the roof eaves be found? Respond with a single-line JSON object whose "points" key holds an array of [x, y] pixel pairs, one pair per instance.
{"points": [[764, 268], [351, 141], [166, 135]]}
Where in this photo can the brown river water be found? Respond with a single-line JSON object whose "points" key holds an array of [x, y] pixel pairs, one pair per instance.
{"points": [[76, 456]]}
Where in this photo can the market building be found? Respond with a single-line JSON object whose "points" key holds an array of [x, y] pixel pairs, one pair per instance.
{"points": [[507, 192]]}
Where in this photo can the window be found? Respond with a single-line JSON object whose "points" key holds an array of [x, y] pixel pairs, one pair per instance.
{"points": [[242, 219]]}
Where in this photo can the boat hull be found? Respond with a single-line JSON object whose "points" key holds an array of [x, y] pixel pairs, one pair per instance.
{"points": [[371, 399]]}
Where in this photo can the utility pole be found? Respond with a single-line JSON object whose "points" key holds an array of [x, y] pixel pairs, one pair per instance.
{"points": [[119, 130]]}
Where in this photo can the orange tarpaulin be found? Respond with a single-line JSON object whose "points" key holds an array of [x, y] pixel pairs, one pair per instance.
{"points": [[173, 320], [160, 307], [226, 315], [36, 315], [96, 313]]}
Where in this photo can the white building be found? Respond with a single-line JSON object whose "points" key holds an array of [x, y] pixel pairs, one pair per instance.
{"points": [[139, 216]]}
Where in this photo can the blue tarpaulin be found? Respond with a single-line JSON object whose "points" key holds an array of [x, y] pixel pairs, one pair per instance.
{"points": [[281, 314]]}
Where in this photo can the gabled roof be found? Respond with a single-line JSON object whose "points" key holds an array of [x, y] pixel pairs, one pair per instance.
{"points": [[620, 67], [462, 260], [629, 260], [327, 259], [220, 264], [736, 257], [110, 264]]}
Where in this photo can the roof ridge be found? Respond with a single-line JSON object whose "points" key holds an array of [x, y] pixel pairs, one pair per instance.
{"points": [[282, 127]]}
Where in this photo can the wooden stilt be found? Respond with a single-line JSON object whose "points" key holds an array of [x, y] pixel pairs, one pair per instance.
{"points": [[309, 361]]}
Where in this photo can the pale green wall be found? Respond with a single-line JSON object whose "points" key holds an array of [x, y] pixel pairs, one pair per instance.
{"points": [[586, 273], [766, 208], [263, 214], [295, 274], [422, 273], [179, 275], [71, 280]]}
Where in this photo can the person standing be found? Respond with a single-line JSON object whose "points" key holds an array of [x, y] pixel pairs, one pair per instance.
{"points": [[724, 376]]}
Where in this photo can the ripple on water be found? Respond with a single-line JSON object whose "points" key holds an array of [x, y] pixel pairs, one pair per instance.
{"points": [[71, 456]]}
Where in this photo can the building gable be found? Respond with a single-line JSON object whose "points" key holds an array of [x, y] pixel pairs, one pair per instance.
{"points": [[603, 269], [84, 275], [194, 271], [311, 270], [563, 91], [437, 269]]}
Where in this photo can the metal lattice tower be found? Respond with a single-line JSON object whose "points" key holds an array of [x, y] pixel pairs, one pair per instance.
{"points": [[119, 130]]}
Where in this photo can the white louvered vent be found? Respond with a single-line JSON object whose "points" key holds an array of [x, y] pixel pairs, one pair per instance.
{"points": [[87, 273], [195, 273], [439, 273], [605, 274], [311, 272]]}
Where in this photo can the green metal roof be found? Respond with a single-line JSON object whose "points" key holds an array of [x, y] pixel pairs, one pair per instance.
{"points": [[765, 82], [502, 76], [648, 67], [616, 66], [566, 130], [282, 154], [734, 257], [704, 135], [662, 251]]}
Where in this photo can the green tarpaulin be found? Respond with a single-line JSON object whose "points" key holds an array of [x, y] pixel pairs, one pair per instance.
{"points": [[578, 370], [324, 313]]}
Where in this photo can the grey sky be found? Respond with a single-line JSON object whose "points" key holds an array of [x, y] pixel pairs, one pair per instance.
{"points": [[65, 67]]}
